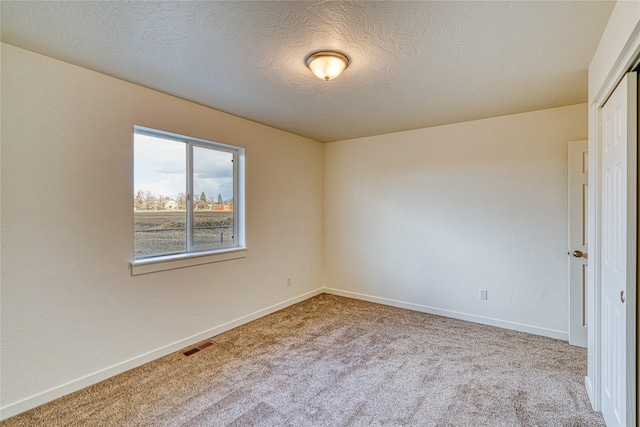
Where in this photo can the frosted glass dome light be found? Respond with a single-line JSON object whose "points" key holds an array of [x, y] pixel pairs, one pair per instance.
{"points": [[326, 64]]}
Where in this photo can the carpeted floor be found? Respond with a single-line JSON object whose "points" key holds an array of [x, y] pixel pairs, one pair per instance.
{"points": [[333, 361]]}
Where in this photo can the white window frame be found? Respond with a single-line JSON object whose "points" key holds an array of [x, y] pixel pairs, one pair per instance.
{"points": [[199, 255]]}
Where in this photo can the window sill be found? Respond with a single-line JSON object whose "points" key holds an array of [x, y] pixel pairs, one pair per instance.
{"points": [[171, 262]]}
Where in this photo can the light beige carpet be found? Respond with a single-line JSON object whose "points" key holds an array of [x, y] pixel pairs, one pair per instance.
{"points": [[332, 361]]}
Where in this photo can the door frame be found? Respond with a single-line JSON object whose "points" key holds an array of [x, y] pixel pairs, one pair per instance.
{"points": [[626, 61]]}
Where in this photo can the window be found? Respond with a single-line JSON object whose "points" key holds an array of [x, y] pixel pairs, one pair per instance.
{"points": [[187, 197]]}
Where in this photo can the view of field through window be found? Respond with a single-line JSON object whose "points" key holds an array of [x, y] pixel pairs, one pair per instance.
{"points": [[161, 203]]}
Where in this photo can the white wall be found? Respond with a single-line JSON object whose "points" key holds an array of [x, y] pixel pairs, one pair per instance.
{"points": [[69, 306], [621, 31], [428, 217], [617, 53]]}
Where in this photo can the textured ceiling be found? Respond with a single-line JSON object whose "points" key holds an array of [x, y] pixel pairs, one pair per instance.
{"points": [[414, 64]]}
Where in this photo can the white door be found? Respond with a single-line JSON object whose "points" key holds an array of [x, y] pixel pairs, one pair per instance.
{"points": [[618, 257], [578, 170]]}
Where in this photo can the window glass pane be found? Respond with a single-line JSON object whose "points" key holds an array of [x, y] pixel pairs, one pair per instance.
{"points": [[213, 197], [159, 196]]}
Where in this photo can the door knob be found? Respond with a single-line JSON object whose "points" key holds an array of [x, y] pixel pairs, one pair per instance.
{"points": [[578, 254], [622, 298]]}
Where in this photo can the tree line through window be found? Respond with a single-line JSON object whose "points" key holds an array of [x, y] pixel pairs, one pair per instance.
{"points": [[184, 194]]}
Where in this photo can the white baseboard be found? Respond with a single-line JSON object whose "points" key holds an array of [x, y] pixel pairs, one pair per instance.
{"points": [[87, 380], [551, 333], [589, 387]]}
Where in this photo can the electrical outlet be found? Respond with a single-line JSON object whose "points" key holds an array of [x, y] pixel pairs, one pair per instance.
{"points": [[288, 281], [483, 294]]}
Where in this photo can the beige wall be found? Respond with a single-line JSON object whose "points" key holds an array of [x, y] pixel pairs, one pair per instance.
{"points": [[426, 218], [70, 307]]}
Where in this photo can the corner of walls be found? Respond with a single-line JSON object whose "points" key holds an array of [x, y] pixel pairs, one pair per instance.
{"points": [[71, 293], [424, 219], [550, 333], [612, 57]]}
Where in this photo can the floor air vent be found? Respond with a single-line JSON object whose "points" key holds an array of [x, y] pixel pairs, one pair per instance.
{"points": [[197, 348], [204, 345]]}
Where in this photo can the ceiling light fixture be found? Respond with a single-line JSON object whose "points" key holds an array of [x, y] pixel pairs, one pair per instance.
{"points": [[327, 64]]}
